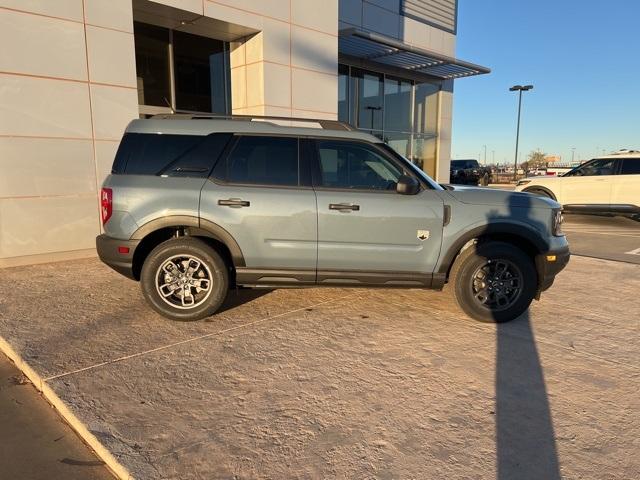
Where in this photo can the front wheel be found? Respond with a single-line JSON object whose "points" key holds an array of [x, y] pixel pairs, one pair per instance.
{"points": [[184, 279], [494, 281]]}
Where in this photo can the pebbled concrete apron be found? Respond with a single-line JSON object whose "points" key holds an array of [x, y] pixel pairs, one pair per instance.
{"points": [[338, 383]]}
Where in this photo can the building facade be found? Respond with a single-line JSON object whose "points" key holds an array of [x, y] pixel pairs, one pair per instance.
{"points": [[73, 73]]}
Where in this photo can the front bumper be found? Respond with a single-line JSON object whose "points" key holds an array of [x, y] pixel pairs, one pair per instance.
{"points": [[120, 261], [549, 264]]}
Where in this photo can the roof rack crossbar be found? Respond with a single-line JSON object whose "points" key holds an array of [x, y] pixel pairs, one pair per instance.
{"points": [[325, 124]]}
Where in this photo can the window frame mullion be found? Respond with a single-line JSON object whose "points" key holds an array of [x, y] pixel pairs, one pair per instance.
{"points": [[172, 73]]}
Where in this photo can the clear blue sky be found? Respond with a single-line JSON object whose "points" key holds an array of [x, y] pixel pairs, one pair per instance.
{"points": [[583, 58]]}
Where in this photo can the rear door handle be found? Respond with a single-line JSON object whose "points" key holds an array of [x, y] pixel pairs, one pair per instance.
{"points": [[344, 207], [234, 203]]}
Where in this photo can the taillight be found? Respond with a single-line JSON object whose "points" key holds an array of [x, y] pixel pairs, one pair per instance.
{"points": [[106, 204]]}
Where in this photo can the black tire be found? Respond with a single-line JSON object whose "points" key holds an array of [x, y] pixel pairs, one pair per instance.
{"points": [[476, 261], [181, 286]]}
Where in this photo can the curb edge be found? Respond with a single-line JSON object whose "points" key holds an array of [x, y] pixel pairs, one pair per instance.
{"points": [[74, 422]]}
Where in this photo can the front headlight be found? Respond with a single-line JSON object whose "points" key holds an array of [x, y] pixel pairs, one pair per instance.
{"points": [[556, 223], [522, 182]]}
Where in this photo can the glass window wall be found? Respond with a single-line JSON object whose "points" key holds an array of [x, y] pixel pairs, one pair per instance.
{"points": [[179, 71], [401, 112], [397, 104], [370, 99]]}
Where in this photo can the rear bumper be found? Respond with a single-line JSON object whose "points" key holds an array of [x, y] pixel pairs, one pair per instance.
{"points": [[121, 262], [549, 264]]}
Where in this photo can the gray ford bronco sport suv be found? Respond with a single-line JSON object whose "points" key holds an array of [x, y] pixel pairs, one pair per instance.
{"points": [[195, 206]]}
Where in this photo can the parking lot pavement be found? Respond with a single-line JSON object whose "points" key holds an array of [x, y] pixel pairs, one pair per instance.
{"points": [[612, 238], [339, 383], [36, 443], [599, 236]]}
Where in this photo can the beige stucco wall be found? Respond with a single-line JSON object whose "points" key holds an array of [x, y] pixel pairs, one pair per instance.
{"points": [[67, 90], [290, 68]]}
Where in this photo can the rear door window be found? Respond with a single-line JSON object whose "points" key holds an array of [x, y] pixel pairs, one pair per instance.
{"points": [[262, 160]]}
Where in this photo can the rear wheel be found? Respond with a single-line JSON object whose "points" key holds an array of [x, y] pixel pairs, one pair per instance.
{"points": [[494, 281], [184, 279]]}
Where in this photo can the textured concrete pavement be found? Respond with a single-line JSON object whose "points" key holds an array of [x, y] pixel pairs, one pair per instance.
{"points": [[339, 383]]}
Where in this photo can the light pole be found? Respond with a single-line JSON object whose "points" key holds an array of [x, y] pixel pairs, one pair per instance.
{"points": [[573, 152], [519, 89], [485, 155]]}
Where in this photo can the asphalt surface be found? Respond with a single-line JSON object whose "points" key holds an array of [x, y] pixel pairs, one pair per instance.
{"points": [[35, 442], [609, 238]]}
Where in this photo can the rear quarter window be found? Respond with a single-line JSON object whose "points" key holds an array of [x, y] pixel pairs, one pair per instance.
{"points": [[630, 166], [168, 155]]}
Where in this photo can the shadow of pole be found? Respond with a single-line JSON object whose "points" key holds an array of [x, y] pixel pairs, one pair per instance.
{"points": [[526, 447], [525, 440]]}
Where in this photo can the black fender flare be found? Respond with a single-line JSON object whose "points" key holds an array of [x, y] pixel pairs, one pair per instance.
{"points": [[527, 234], [540, 188], [196, 227]]}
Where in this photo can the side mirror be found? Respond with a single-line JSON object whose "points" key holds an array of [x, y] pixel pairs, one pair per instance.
{"points": [[407, 185]]}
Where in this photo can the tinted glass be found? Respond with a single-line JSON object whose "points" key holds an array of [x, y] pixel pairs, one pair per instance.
{"points": [[343, 93], [630, 166], [200, 67], [397, 104], [152, 64], [464, 164], [369, 87], [151, 154], [198, 161], [356, 166], [602, 166], [264, 161]]}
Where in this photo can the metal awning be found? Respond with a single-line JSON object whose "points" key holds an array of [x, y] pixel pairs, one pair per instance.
{"points": [[393, 53]]}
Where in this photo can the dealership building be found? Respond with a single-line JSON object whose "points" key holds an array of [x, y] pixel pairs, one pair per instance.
{"points": [[74, 73]]}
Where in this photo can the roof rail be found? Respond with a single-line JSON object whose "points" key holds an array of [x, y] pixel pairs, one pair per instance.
{"points": [[325, 124]]}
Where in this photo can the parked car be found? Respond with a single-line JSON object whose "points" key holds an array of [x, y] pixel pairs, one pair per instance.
{"points": [[468, 172], [607, 184], [195, 206]]}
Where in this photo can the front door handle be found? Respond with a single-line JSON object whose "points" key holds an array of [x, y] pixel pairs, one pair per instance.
{"points": [[234, 203], [344, 207]]}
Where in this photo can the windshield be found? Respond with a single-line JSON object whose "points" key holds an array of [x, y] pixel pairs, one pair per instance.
{"points": [[464, 163]]}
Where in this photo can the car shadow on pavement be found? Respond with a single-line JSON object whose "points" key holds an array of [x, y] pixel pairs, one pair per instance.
{"points": [[525, 439], [238, 297]]}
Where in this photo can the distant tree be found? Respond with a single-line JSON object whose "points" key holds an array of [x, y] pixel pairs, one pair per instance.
{"points": [[535, 160]]}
